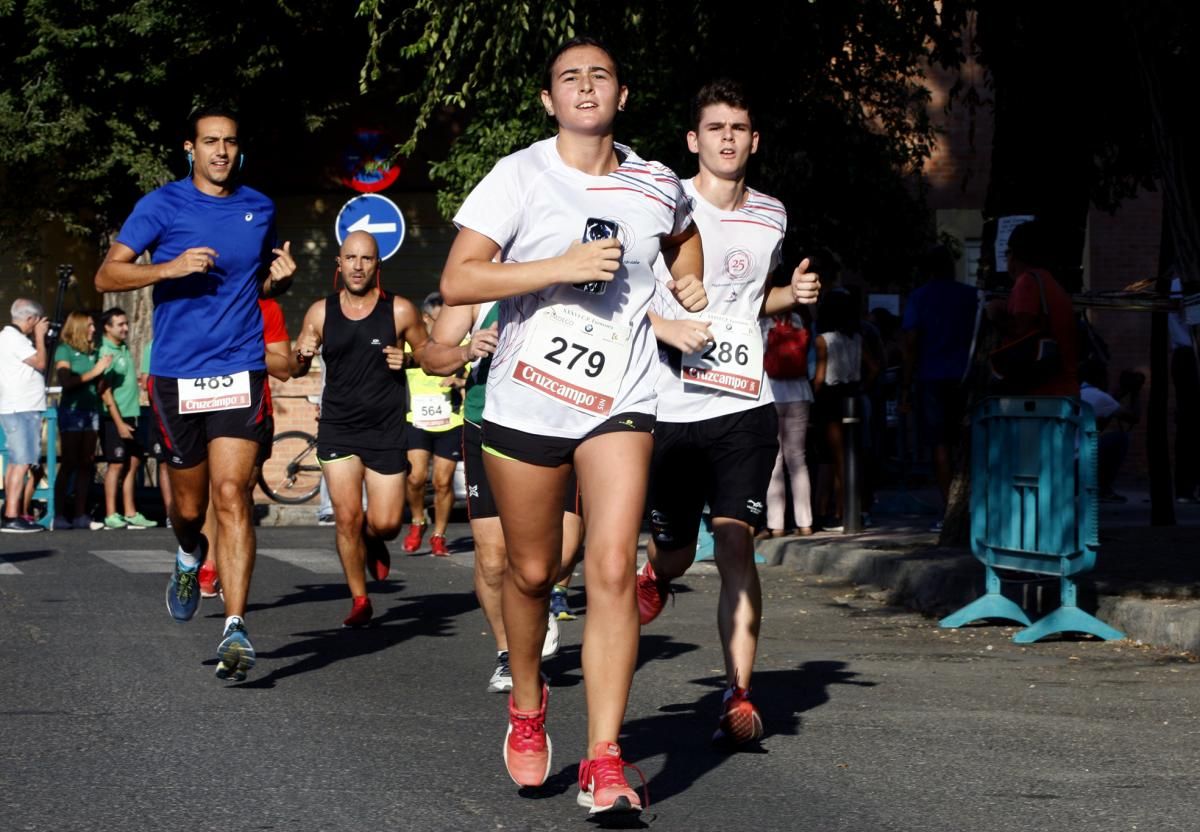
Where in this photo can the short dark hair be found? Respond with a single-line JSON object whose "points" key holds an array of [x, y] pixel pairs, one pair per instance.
{"points": [[108, 314], [209, 111], [1031, 243], [581, 40], [721, 91]]}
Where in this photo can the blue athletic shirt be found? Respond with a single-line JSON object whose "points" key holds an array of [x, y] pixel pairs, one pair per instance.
{"points": [[206, 323]]}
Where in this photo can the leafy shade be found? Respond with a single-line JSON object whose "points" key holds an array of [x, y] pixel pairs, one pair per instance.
{"points": [[839, 86]]}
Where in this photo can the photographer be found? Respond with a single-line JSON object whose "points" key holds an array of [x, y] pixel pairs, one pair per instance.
{"points": [[22, 400]]}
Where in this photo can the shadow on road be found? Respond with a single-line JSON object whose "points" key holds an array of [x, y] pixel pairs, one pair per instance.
{"points": [[427, 615], [33, 554], [683, 731]]}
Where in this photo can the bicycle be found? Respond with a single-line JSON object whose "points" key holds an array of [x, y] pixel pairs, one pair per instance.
{"points": [[292, 475]]}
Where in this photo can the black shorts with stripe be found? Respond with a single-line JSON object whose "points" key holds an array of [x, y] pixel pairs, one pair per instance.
{"points": [[185, 436], [481, 503]]}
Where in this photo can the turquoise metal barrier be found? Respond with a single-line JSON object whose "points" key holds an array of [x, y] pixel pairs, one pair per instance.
{"points": [[1034, 508], [49, 444]]}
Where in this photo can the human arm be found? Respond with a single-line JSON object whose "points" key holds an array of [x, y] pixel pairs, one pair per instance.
{"points": [[311, 330], [39, 358], [684, 255], [119, 272], [410, 329], [471, 274], [686, 335], [68, 379], [279, 360], [445, 353], [110, 403], [278, 275], [804, 288]]}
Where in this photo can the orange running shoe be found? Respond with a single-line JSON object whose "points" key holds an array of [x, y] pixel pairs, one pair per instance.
{"points": [[527, 747], [602, 784], [360, 613], [740, 720]]}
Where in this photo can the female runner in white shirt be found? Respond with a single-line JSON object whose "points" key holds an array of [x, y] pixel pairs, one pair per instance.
{"points": [[572, 384]]}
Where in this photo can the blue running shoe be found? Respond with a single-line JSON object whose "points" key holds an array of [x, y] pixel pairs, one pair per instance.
{"points": [[183, 590], [558, 604], [235, 653]]}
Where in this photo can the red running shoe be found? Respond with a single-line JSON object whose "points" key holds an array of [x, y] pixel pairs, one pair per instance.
{"points": [[360, 613], [210, 584], [740, 720], [379, 559], [412, 541], [437, 545], [527, 747], [651, 594], [602, 785]]}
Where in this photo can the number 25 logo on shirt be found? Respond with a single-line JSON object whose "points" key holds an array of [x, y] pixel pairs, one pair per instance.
{"points": [[738, 263]]}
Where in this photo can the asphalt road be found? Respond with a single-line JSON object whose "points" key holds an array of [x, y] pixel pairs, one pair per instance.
{"points": [[111, 719]]}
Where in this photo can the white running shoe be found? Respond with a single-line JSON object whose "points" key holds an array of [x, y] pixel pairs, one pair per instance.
{"points": [[550, 645]]}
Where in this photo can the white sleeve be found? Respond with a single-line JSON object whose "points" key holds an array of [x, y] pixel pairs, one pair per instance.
{"points": [[493, 208]]}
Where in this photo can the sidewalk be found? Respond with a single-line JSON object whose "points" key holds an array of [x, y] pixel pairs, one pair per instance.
{"points": [[1146, 582]]}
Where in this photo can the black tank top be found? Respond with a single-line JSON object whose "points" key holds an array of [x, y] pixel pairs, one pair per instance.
{"points": [[363, 402]]}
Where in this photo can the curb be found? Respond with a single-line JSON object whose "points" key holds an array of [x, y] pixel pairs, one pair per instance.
{"points": [[915, 573]]}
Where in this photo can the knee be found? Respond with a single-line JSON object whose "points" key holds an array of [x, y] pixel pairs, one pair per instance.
{"points": [[490, 566], [534, 579], [387, 528], [349, 518], [609, 572], [231, 496]]}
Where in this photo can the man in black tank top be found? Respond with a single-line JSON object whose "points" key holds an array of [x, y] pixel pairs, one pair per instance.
{"points": [[361, 331]]}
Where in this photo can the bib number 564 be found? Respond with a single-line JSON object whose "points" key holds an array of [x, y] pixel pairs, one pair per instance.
{"points": [[595, 358]]}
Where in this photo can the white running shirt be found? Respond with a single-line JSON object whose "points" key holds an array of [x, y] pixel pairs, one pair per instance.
{"points": [[534, 206], [741, 250]]}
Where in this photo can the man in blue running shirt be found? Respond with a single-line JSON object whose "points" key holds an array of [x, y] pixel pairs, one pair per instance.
{"points": [[213, 253]]}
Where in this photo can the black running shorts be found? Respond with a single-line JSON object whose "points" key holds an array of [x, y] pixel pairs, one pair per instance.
{"points": [[725, 461], [186, 436], [481, 503]]}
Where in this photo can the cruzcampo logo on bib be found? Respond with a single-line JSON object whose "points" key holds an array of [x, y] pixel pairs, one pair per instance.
{"points": [[732, 363], [211, 393], [574, 357]]}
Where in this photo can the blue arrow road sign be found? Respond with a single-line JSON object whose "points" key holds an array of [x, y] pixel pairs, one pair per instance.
{"points": [[378, 216]]}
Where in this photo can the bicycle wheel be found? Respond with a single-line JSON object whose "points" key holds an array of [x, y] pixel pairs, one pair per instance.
{"points": [[292, 475]]}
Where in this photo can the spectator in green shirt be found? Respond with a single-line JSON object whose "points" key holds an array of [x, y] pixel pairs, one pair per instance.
{"points": [[78, 370], [118, 437]]}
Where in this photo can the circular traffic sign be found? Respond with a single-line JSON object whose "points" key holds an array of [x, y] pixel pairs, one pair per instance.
{"points": [[378, 216]]}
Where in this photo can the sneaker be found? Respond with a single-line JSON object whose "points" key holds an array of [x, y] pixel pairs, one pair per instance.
{"points": [[558, 604], [137, 521], [62, 522], [550, 643], [19, 525], [235, 653], [437, 546], [360, 613], [412, 542], [501, 681], [379, 559], [527, 747], [326, 520], [651, 594], [168, 523], [740, 720], [114, 521], [602, 784], [183, 590], [84, 521], [210, 584]]}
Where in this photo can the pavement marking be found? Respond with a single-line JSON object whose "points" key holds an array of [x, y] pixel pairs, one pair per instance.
{"points": [[146, 561], [318, 561], [7, 568]]}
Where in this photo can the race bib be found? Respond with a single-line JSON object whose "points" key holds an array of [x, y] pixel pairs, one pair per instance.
{"points": [[733, 363], [212, 393], [575, 358], [431, 411]]}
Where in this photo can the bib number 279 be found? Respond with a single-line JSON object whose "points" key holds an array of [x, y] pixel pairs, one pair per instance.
{"points": [[568, 354]]}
